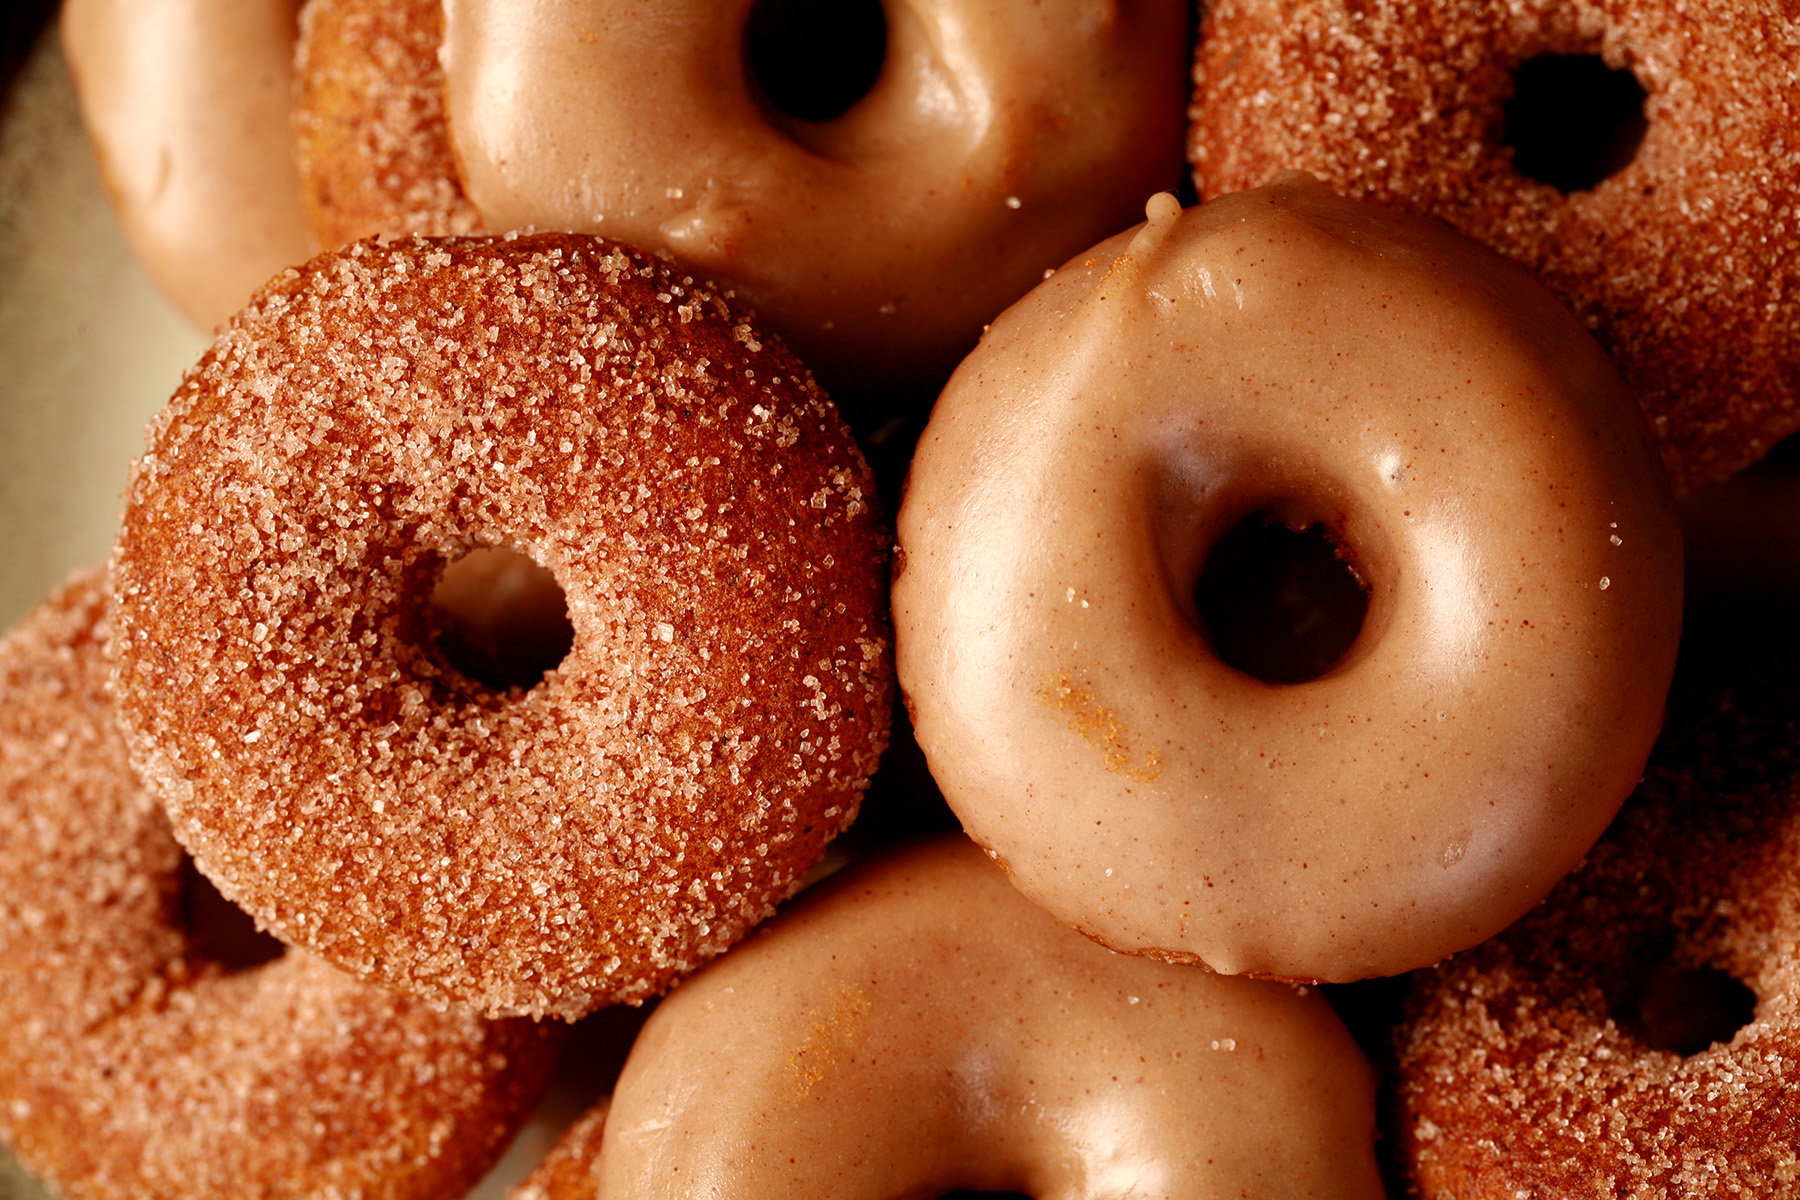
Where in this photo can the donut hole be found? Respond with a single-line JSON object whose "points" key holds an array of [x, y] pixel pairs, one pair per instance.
{"points": [[501, 619], [1279, 601], [219, 930], [813, 60], [1573, 121], [1688, 1009], [1783, 459]]}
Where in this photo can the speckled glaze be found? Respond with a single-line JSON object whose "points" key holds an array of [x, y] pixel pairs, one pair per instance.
{"points": [[918, 1027], [998, 139], [1497, 491], [188, 104]]}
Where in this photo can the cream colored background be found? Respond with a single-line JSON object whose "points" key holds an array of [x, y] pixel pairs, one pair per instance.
{"points": [[88, 351]]}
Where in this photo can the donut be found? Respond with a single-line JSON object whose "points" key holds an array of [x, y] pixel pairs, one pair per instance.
{"points": [[1470, 460], [137, 1062], [187, 106], [960, 151], [542, 850], [1677, 253], [920, 1027], [877, 180], [1638, 1034], [372, 144]]}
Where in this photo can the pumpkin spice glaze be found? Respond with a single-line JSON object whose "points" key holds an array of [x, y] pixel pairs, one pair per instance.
{"points": [[1481, 468]]}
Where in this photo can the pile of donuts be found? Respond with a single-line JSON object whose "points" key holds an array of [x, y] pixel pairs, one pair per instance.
{"points": [[1301, 781]]}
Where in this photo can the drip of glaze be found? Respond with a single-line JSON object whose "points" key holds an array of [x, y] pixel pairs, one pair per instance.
{"points": [[1161, 212], [1117, 291]]}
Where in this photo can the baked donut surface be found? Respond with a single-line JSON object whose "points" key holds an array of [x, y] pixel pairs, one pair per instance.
{"points": [[379, 414], [917, 1026], [1324, 363], [1551, 1060], [373, 145], [1680, 262], [133, 1062]]}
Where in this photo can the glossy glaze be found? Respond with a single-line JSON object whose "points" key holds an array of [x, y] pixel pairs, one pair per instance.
{"points": [[1287, 350], [919, 1027], [998, 139], [188, 104]]}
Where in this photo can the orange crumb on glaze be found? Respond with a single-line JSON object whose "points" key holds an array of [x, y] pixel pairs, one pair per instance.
{"points": [[1099, 726], [832, 1030]]}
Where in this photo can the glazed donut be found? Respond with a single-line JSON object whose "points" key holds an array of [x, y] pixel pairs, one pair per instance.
{"points": [[919, 1027], [181, 99], [1474, 458], [993, 141], [373, 147], [981, 145], [1680, 261], [384, 411], [133, 1063], [1563, 1058]]}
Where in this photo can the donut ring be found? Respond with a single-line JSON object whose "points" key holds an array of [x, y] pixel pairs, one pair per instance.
{"points": [[134, 1065], [1527, 1065], [381, 412], [876, 243], [1289, 352], [918, 1027], [1680, 263]]}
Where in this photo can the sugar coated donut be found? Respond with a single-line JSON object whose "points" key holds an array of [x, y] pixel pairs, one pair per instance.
{"points": [[993, 141], [1476, 460], [919, 1027], [135, 1064], [1681, 261], [384, 411], [188, 104], [374, 150], [1564, 1057]]}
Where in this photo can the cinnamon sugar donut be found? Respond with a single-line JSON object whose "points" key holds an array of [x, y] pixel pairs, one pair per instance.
{"points": [[374, 148], [918, 1027], [1470, 452], [381, 412], [1681, 262], [133, 1064], [187, 104], [993, 141], [1551, 1060]]}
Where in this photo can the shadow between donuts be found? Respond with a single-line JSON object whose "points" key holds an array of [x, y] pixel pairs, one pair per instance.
{"points": [[222, 932]]}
